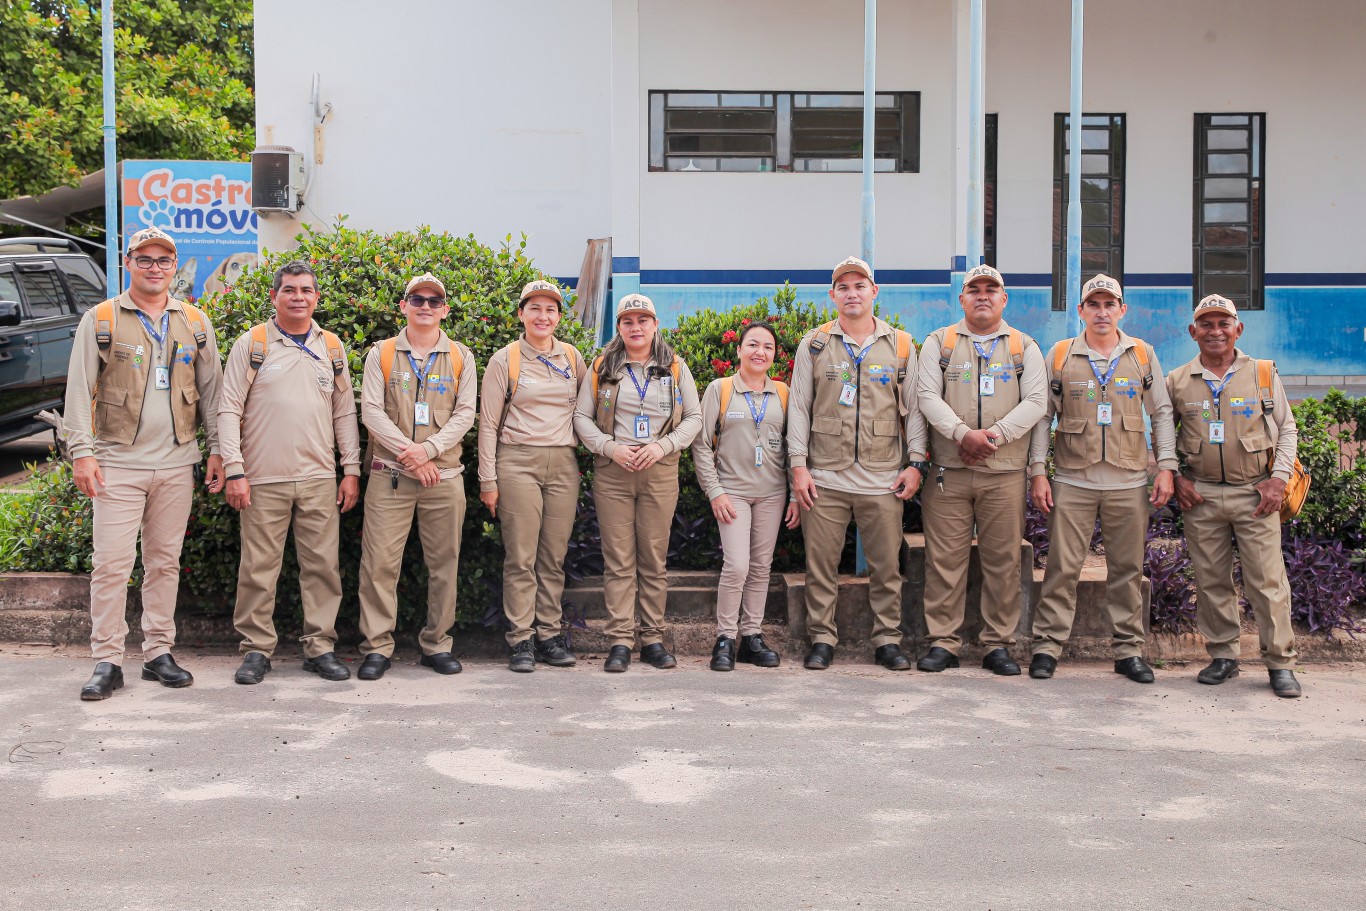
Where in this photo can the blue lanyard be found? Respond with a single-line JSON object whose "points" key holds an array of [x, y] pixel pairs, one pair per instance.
{"points": [[986, 355], [642, 390], [858, 358], [298, 344], [1109, 374], [763, 408], [421, 371], [565, 373], [1215, 391], [152, 330]]}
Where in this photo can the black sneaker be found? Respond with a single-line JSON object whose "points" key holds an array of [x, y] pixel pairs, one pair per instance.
{"points": [[723, 654], [523, 659], [753, 650], [554, 652]]}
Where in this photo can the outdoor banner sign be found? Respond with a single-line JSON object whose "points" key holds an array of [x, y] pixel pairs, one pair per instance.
{"points": [[206, 207]]}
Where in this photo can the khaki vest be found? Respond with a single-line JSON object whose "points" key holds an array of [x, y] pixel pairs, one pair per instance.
{"points": [[869, 431], [122, 382], [606, 390], [1248, 436], [1081, 442], [962, 393], [401, 395]]}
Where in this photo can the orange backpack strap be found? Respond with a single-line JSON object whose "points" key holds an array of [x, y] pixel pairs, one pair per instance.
{"points": [[388, 350], [1265, 371], [1059, 359], [1145, 367], [515, 369], [946, 346], [194, 318], [904, 344], [259, 341], [1017, 345], [335, 353], [106, 314], [821, 338], [726, 391]]}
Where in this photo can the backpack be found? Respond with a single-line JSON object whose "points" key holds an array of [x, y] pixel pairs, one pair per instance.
{"points": [[388, 352], [607, 409], [728, 391], [1063, 349], [1297, 488], [904, 344], [107, 317], [515, 370], [259, 341], [1015, 342]]}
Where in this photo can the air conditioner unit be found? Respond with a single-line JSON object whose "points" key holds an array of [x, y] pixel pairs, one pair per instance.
{"points": [[277, 179]]}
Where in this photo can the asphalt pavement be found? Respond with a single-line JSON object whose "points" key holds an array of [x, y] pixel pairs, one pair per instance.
{"points": [[683, 789]]}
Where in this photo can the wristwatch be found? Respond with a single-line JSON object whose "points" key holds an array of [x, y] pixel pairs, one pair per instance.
{"points": [[921, 467]]}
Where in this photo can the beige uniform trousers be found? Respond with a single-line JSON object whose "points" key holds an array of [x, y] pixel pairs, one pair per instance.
{"points": [[824, 526], [994, 502], [1123, 518], [635, 515], [153, 505], [747, 550], [389, 512], [311, 507], [538, 494], [1210, 530]]}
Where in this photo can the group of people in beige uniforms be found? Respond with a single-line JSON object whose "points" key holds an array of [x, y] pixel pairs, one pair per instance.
{"points": [[866, 421]]}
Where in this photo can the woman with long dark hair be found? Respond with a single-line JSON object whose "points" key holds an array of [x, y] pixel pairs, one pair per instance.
{"points": [[741, 463], [636, 414]]}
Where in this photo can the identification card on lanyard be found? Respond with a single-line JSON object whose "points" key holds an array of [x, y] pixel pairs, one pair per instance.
{"points": [[642, 424], [642, 420], [758, 415], [986, 383], [422, 414], [162, 377], [1104, 414], [758, 455], [848, 394], [1216, 428], [1216, 432]]}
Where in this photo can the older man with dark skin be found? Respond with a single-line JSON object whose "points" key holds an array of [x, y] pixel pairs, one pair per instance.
{"points": [[1237, 439]]}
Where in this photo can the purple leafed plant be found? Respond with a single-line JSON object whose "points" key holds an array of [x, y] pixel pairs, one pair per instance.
{"points": [[1173, 585], [1325, 584]]}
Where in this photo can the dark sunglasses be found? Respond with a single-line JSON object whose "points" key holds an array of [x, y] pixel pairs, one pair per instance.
{"points": [[417, 300]]}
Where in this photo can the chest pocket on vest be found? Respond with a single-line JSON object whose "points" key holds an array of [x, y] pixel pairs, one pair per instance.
{"points": [[827, 425], [1133, 444], [1074, 423], [1255, 442], [441, 416], [190, 393]]}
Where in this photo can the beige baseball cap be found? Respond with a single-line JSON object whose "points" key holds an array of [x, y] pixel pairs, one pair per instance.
{"points": [[425, 280], [982, 271], [1102, 282], [150, 236], [540, 286], [1215, 302], [635, 302], [852, 264]]}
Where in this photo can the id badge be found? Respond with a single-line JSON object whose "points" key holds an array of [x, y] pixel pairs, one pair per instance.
{"points": [[986, 384], [758, 456], [848, 394], [1103, 414], [163, 377], [642, 427], [422, 414], [1216, 431]]}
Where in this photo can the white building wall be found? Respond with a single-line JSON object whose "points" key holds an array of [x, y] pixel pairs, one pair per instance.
{"points": [[491, 118]]}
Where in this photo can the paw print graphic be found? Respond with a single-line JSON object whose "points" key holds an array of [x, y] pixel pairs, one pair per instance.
{"points": [[158, 213]]}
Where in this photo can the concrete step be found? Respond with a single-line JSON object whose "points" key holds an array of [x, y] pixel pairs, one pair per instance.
{"points": [[692, 596]]}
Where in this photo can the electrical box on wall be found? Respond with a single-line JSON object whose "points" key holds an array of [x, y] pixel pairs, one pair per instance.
{"points": [[277, 179]]}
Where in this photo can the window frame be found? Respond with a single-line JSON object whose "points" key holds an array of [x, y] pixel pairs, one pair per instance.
{"points": [[1254, 198], [1116, 175]]}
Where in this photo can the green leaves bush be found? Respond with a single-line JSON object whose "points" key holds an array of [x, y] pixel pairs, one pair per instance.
{"points": [[1333, 447]]}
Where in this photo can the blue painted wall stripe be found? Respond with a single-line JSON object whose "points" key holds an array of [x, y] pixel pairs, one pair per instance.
{"points": [[626, 264]]}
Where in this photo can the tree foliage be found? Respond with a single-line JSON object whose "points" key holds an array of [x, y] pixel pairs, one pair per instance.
{"points": [[184, 73]]}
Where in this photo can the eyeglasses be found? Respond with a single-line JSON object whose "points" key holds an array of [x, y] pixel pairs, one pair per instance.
{"points": [[146, 262], [417, 300]]}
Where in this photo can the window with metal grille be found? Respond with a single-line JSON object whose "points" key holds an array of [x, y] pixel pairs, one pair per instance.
{"points": [[1230, 162], [989, 193], [1102, 199], [781, 131]]}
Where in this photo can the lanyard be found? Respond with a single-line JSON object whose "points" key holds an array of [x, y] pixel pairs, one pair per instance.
{"points": [[763, 408], [1216, 390], [642, 390], [986, 355], [152, 330], [1109, 374], [565, 373], [298, 344], [858, 358], [421, 371]]}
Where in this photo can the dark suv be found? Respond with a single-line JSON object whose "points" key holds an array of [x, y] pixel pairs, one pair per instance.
{"points": [[45, 286]]}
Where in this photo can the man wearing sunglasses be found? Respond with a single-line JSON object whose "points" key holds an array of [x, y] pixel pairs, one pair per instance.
{"points": [[144, 376], [417, 402]]}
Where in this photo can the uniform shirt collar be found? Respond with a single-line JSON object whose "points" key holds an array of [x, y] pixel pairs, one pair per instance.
{"points": [[443, 342]]}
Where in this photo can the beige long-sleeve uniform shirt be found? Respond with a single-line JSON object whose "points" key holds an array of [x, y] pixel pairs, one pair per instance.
{"points": [[856, 478], [728, 466], [155, 446], [1102, 475], [289, 423], [541, 410], [657, 404], [385, 431], [1018, 422]]}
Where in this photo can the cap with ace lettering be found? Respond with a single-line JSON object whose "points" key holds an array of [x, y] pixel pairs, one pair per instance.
{"points": [[852, 264], [635, 303], [540, 286], [1215, 302], [1102, 282], [983, 271]]}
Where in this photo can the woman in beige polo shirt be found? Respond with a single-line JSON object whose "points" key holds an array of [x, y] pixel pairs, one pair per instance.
{"points": [[636, 413], [528, 475], [741, 463]]}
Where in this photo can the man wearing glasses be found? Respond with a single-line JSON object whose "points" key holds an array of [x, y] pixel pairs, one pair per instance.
{"points": [[144, 375], [417, 402], [287, 408]]}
